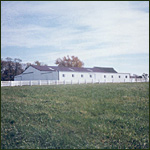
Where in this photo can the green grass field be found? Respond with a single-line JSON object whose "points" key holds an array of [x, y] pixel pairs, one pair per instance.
{"points": [[94, 116]]}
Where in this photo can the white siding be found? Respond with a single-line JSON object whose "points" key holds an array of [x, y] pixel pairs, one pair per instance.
{"points": [[96, 77], [108, 77]]}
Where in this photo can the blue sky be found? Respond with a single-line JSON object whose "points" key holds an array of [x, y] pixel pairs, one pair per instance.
{"points": [[106, 34]]}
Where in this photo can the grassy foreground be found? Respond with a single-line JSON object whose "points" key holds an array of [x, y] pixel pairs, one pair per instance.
{"points": [[94, 116]]}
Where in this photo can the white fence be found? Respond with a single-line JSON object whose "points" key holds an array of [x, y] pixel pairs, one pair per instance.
{"points": [[49, 82], [40, 82]]}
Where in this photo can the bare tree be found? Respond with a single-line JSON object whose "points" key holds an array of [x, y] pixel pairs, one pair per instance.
{"points": [[145, 76]]}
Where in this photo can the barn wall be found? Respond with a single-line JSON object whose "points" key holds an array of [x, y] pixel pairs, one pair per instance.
{"points": [[18, 78], [77, 76], [34, 74], [29, 74], [44, 75], [94, 76], [113, 77]]}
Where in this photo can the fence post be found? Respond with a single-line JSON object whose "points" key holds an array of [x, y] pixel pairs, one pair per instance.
{"points": [[71, 81], [56, 82], [20, 83], [78, 82], [30, 82], [39, 82], [64, 82]]}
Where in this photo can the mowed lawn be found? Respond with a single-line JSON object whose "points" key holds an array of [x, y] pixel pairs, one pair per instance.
{"points": [[94, 116]]}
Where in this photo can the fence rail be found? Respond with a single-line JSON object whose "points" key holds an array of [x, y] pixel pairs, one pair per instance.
{"points": [[51, 82]]}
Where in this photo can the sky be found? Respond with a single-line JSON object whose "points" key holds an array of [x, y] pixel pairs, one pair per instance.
{"points": [[100, 33]]}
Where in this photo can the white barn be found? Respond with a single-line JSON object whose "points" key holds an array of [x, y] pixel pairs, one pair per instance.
{"points": [[74, 74]]}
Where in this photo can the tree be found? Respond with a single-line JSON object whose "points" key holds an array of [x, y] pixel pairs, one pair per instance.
{"points": [[3, 64], [145, 76], [18, 66], [35, 63], [39, 63], [10, 68], [69, 62]]}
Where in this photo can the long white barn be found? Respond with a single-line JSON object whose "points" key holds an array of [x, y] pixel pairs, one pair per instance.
{"points": [[74, 74]]}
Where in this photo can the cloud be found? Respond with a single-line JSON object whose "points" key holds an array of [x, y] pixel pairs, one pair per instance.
{"points": [[89, 30]]}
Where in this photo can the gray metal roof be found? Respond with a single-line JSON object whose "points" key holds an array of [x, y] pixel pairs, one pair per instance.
{"points": [[74, 69], [102, 69]]}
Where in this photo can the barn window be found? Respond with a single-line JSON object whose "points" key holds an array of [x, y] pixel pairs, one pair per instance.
{"points": [[72, 75], [90, 76], [119, 76], [104, 76], [63, 75], [126, 77], [82, 75], [112, 76]]}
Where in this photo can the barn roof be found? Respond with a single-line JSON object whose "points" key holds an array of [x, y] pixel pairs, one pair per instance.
{"points": [[102, 69], [74, 69]]}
